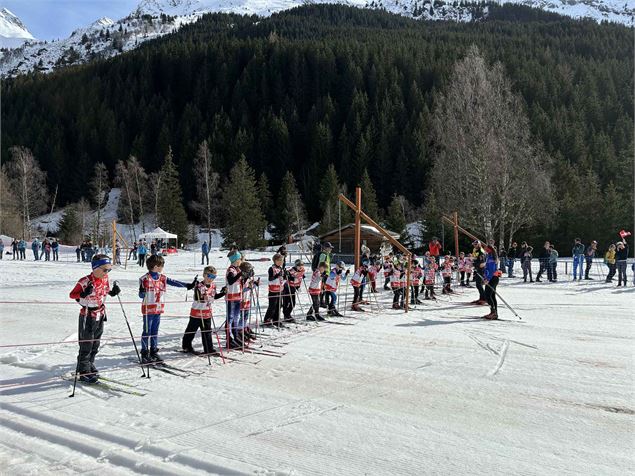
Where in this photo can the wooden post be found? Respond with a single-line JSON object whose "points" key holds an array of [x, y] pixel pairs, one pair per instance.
{"points": [[456, 234], [394, 242], [358, 226]]}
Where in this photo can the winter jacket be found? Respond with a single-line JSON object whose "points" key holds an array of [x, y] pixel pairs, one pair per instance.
{"points": [[490, 267], [205, 248], [622, 254], [578, 249], [513, 253], [544, 254], [526, 255], [609, 257], [590, 252], [553, 257], [142, 250]]}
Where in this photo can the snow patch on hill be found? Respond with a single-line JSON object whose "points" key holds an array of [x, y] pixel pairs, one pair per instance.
{"points": [[13, 32]]}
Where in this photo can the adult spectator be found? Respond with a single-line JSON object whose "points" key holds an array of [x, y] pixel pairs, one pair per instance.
{"points": [[588, 256], [55, 247], [553, 263], [1, 248], [512, 255], [578, 258], [14, 248], [526, 254], [142, 251], [435, 248], [22, 248], [205, 253], [621, 255], [543, 258], [35, 247]]}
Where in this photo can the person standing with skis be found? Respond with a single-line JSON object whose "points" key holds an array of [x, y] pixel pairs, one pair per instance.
{"points": [[294, 277], [357, 282], [490, 279], [201, 312], [152, 288], [331, 285], [478, 259], [232, 299], [90, 292], [275, 276], [315, 290]]}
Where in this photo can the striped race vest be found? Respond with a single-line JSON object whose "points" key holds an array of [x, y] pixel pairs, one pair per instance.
{"points": [[233, 290], [315, 287], [154, 301], [275, 285], [203, 299], [96, 298]]}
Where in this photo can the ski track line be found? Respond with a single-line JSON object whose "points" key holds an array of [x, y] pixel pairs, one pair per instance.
{"points": [[128, 444], [501, 360]]}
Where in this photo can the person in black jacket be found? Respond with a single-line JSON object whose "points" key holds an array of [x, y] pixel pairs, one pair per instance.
{"points": [[478, 258], [525, 261], [543, 258], [621, 255], [512, 254]]}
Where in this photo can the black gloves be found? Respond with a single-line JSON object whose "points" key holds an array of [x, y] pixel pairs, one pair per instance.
{"points": [[348, 271], [115, 290], [193, 283], [88, 290], [223, 290]]}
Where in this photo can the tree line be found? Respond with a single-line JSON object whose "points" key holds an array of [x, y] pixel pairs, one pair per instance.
{"points": [[330, 97]]}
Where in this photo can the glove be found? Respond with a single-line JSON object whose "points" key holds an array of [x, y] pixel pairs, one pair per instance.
{"points": [[115, 290], [223, 290], [88, 290], [347, 272], [193, 283]]}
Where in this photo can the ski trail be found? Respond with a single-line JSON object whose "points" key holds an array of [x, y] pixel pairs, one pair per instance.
{"points": [[501, 360]]}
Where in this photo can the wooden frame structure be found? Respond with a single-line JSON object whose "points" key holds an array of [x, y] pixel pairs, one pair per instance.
{"points": [[454, 221], [359, 214], [115, 234]]}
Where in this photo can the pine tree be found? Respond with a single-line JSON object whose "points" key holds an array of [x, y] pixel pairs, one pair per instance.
{"points": [[396, 219], [99, 186], [70, 228], [245, 220], [266, 200], [171, 213], [290, 214], [329, 190], [369, 196]]}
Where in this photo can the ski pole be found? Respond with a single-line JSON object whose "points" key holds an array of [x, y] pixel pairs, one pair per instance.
{"points": [[131, 336], [310, 302], [77, 365], [220, 347], [504, 302]]}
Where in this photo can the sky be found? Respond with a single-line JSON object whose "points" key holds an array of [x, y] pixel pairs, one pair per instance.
{"points": [[52, 19]]}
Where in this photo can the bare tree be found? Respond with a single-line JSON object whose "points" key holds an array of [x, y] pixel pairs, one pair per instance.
{"points": [[130, 177], [155, 180], [29, 183], [487, 165], [99, 187], [10, 217], [139, 175], [83, 211], [208, 193]]}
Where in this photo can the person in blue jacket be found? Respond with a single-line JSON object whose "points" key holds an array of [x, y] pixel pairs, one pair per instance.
{"points": [[35, 246], [204, 253], [491, 277], [142, 251]]}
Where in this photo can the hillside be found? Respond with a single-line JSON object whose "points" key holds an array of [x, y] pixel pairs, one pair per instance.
{"points": [[331, 84]]}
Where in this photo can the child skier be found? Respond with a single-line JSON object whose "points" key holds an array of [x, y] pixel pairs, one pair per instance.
{"points": [[357, 281], [248, 284], [315, 290], [275, 280], [331, 285], [429, 277], [232, 299], [201, 312], [396, 284], [152, 288], [90, 292], [446, 273], [415, 278], [294, 275], [388, 269]]}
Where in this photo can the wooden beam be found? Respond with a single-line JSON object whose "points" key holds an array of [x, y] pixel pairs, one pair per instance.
{"points": [[394, 242], [456, 234], [463, 230]]}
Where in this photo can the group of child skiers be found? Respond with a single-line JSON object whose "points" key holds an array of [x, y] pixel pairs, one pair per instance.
{"points": [[482, 266]]}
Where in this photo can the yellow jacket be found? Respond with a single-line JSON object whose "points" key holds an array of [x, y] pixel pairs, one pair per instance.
{"points": [[610, 256]]}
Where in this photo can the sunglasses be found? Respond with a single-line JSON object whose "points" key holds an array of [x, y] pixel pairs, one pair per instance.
{"points": [[106, 270], [211, 276]]}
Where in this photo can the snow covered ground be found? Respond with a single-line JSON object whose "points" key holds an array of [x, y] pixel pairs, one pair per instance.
{"points": [[434, 391]]}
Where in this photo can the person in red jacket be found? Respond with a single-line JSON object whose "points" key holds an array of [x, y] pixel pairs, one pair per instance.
{"points": [[435, 248], [90, 292]]}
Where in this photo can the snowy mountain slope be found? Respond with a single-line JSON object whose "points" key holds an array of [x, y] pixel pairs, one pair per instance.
{"points": [[13, 32], [154, 18]]}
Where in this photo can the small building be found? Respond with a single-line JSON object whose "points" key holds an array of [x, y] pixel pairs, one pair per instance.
{"points": [[343, 240]]}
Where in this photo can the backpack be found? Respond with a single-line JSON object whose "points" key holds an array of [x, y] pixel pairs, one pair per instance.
{"points": [[317, 251]]}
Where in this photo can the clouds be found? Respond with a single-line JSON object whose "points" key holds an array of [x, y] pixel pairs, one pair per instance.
{"points": [[51, 19]]}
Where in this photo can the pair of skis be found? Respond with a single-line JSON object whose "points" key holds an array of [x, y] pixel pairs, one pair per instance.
{"points": [[107, 385]]}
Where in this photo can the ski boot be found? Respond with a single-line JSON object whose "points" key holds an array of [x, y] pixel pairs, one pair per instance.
{"points": [[145, 357], [93, 369], [155, 357], [90, 378], [334, 313], [311, 317], [492, 316], [190, 350], [355, 307]]}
